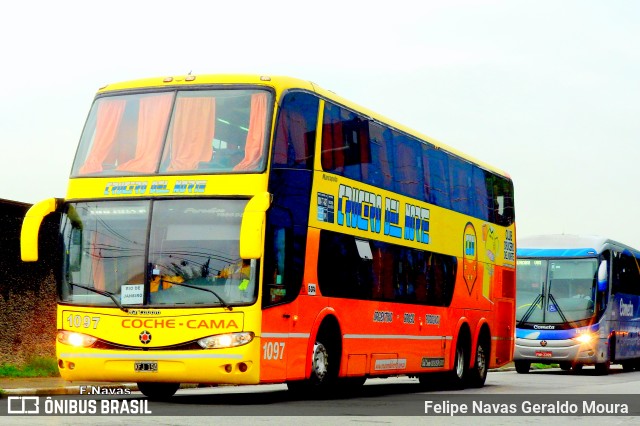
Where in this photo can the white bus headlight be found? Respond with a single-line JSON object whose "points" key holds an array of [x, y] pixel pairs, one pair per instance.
{"points": [[226, 340], [75, 339], [586, 338]]}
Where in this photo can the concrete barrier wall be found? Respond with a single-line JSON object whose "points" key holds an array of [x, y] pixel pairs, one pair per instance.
{"points": [[27, 290]]}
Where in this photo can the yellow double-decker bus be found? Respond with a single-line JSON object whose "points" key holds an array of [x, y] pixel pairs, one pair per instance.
{"points": [[253, 229]]}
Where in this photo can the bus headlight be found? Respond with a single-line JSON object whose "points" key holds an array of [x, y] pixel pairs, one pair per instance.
{"points": [[226, 340], [78, 340], [585, 338]]}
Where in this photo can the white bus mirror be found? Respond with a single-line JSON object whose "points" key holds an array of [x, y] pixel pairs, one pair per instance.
{"points": [[603, 276]]}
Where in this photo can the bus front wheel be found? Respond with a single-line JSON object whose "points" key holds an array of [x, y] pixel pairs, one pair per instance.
{"points": [[320, 364], [522, 367], [158, 391], [458, 374]]}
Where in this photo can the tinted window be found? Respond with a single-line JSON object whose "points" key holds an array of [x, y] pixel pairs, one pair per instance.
{"points": [[296, 131], [372, 270]]}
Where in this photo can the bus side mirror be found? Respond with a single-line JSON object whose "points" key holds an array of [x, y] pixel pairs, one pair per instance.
{"points": [[603, 276], [75, 250], [252, 226], [31, 227]]}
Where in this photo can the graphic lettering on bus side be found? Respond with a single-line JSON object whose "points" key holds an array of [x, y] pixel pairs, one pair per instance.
{"points": [[359, 209], [626, 309], [383, 316], [157, 187], [273, 351], [509, 247], [364, 210]]}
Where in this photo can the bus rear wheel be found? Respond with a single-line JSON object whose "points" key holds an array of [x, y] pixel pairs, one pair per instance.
{"points": [[602, 368], [478, 374], [158, 391], [522, 367], [628, 366], [565, 366]]}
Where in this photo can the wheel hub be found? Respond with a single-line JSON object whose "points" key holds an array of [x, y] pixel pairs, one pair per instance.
{"points": [[320, 361]]}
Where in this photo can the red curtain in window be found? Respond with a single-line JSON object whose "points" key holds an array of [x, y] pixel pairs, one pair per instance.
{"points": [[281, 144], [192, 135], [333, 146], [254, 147], [291, 132], [152, 124], [107, 123]]}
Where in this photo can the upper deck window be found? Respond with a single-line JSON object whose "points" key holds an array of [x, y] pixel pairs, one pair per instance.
{"points": [[204, 131]]}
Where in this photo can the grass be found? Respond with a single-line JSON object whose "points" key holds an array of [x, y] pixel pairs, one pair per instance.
{"points": [[543, 366], [39, 366]]}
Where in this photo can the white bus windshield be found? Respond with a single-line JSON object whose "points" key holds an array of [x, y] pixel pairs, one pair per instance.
{"points": [[555, 291]]}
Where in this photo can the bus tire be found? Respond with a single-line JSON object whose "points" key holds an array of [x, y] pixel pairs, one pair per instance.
{"points": [[522, 367], [458, 375], [320, 363], [602, 368], [325, 360], [628, 366], [158, 391], [565, 366], [577, 367], [478, 374]]}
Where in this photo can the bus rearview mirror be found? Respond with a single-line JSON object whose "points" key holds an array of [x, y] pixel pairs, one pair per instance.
{"points": [[603, 276], [252, 226], [31, 227]]}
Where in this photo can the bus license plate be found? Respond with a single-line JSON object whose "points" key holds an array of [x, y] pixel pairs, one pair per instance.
{"points": [[145, 366], [544, 354]]}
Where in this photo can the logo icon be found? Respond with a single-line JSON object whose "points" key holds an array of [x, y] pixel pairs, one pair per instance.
{"points": [[23, 405], [543, 343], [470, 257], [145, 337]]}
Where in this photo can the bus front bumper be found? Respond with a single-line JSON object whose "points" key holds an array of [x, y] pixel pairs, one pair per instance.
{"points": [[206, 366], [557, 351]]}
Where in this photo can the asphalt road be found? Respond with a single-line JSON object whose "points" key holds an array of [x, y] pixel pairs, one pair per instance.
{"points": [[508, 398]]}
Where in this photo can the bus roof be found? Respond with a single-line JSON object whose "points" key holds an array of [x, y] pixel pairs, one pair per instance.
{"points": [[567, 245], [280, 84]]}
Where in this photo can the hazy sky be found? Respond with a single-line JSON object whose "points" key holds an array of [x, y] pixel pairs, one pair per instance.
{"points": [[547, 90]]}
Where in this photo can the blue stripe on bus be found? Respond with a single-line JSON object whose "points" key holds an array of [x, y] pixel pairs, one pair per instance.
{"points": [[522, 333], [543, 252]]}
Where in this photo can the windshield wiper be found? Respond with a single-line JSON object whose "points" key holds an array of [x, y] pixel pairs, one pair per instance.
{"points": [[208, 290], [103, 293], [532, 306]]}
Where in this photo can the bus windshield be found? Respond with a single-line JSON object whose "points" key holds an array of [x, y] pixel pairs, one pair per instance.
{"points": [[555, 291], [169, 132], [161, 253]]}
